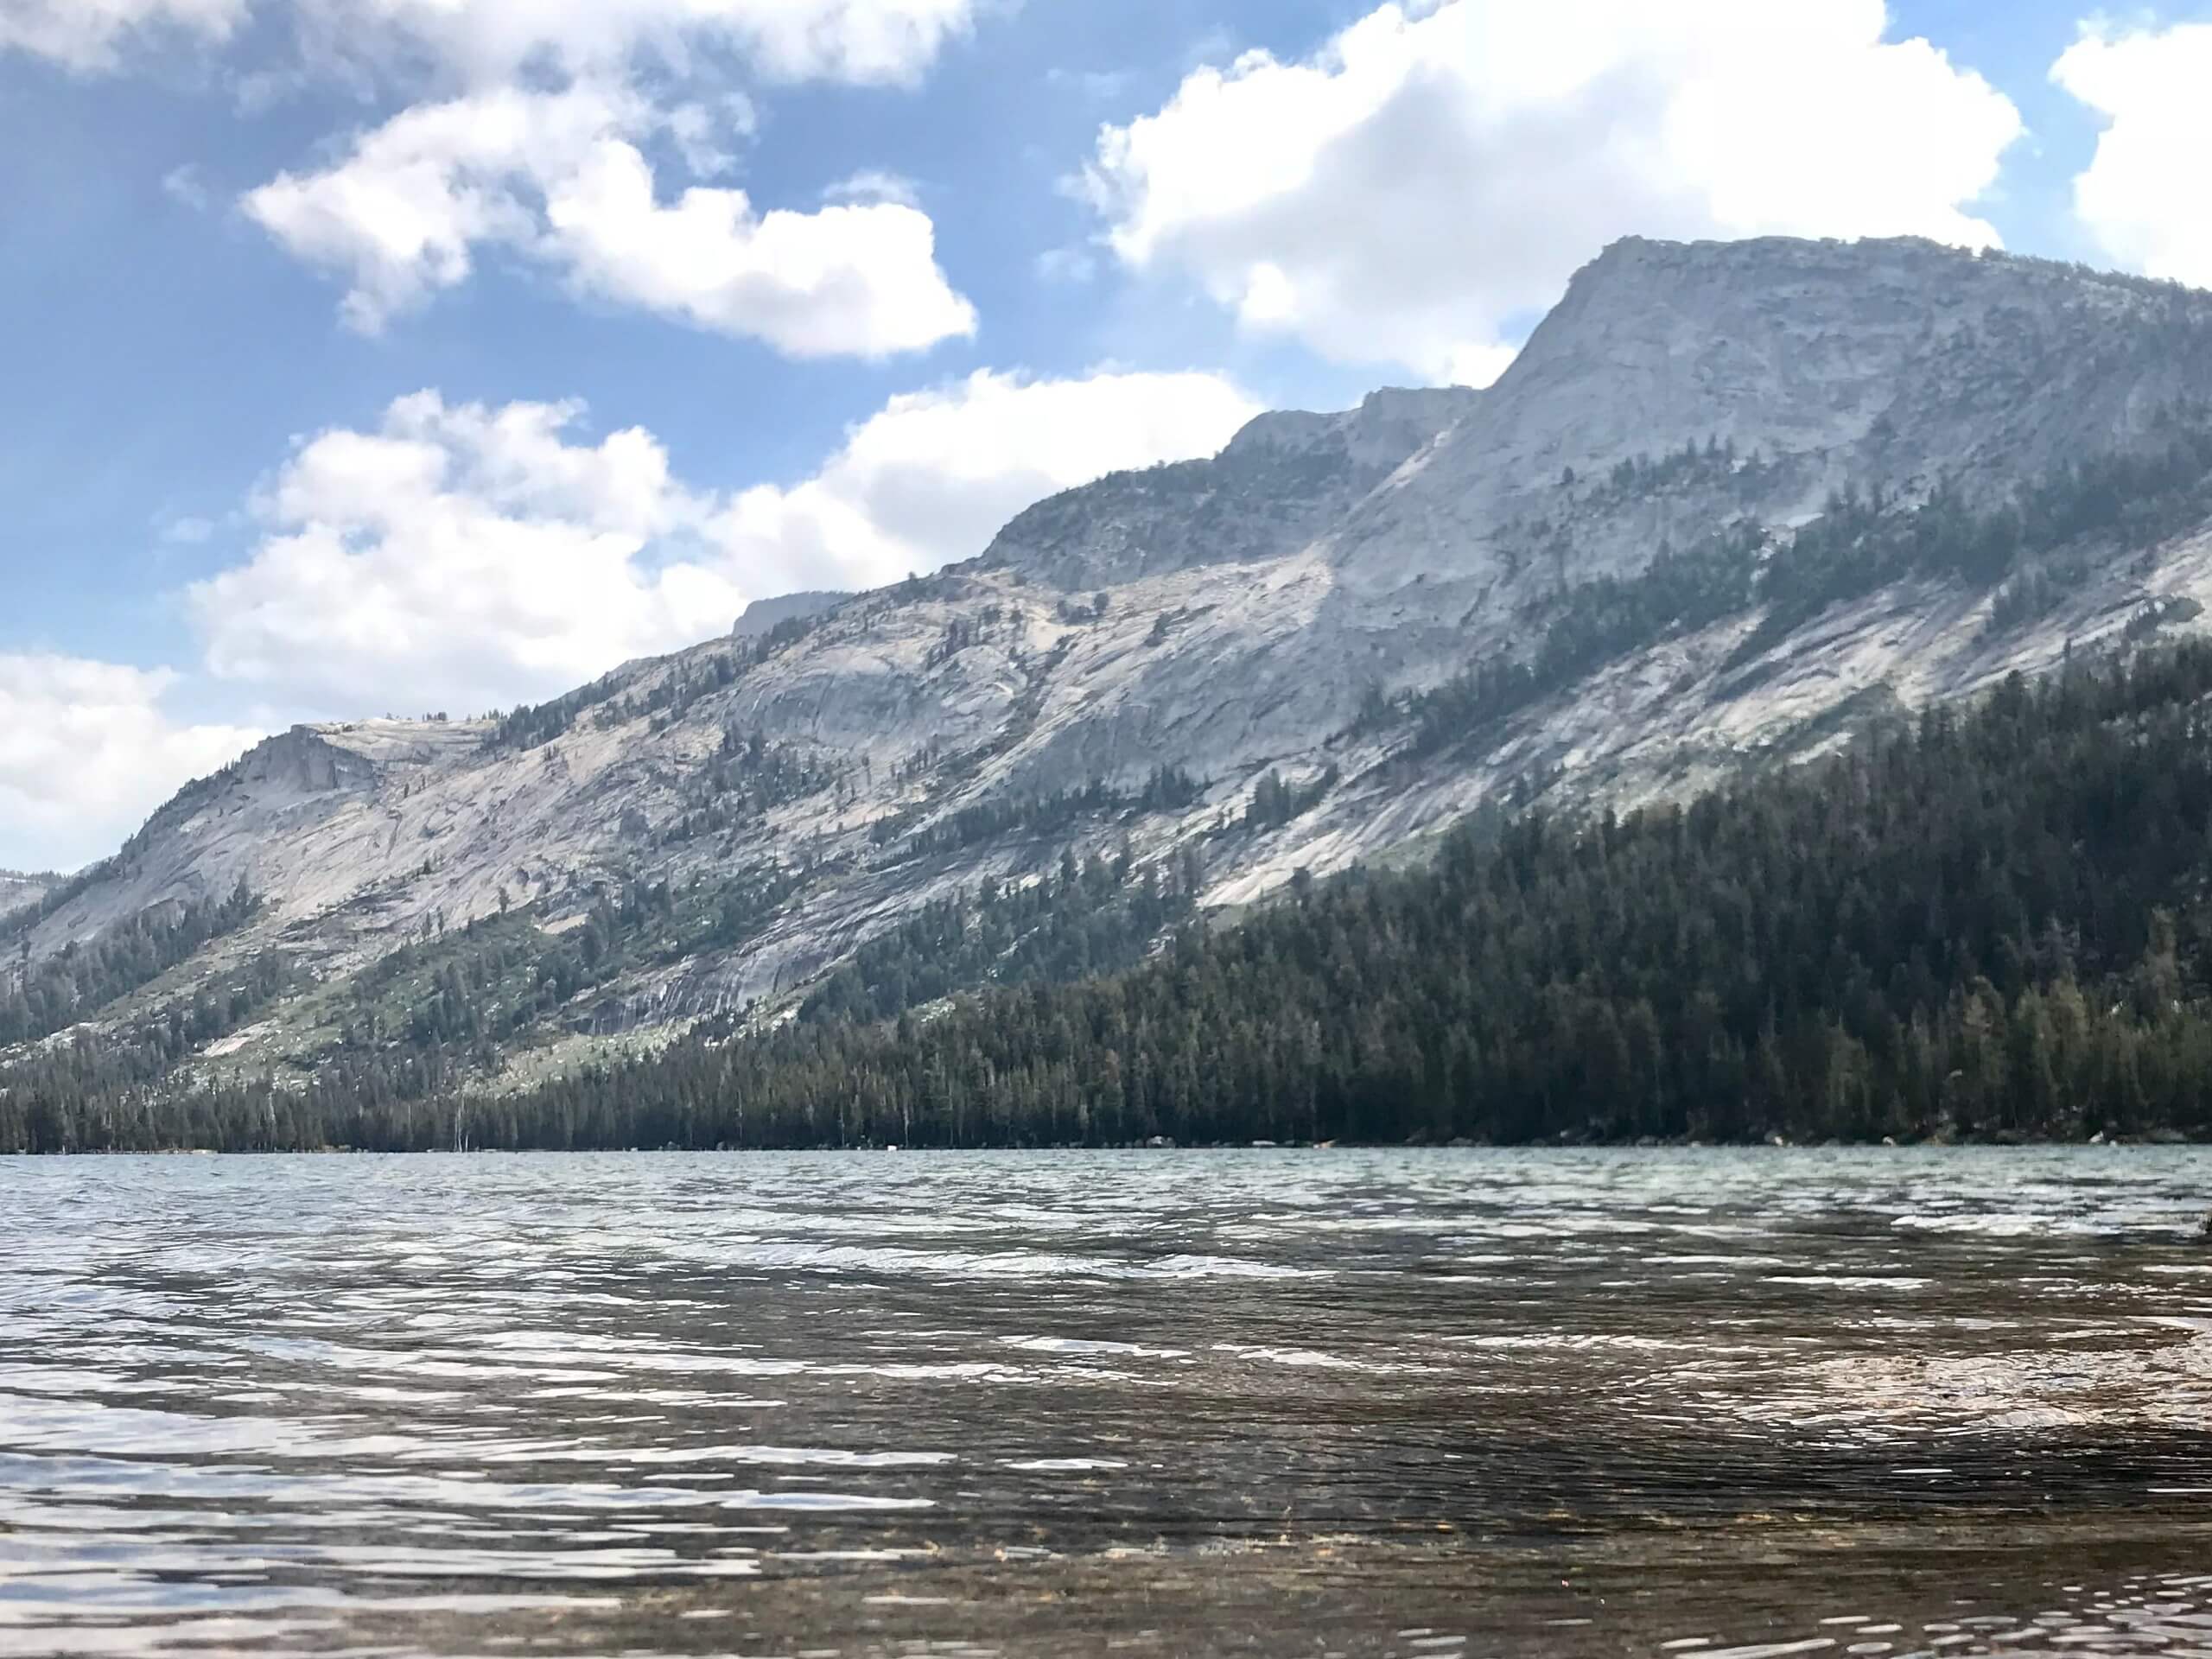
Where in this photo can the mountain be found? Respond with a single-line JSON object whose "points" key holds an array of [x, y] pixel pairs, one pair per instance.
{"points": [[1993, 923], [1732, 502]]}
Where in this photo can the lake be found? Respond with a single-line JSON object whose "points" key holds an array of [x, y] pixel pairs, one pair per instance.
{"points": [[1436, 1402]]}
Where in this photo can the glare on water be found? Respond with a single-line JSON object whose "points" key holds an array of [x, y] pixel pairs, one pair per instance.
{"points": [[1716, 1405]]}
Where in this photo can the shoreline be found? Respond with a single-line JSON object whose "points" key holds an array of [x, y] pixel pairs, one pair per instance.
{"points": [[2157, 1141]]}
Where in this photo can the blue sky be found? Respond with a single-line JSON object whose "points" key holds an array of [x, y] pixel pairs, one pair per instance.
{"points": [[368, 354]]}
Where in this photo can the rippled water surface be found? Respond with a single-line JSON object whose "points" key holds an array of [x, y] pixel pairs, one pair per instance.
{"points": [[1269, 1402]]}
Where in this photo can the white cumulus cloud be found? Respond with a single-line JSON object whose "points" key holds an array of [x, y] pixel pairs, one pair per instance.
{"points": [[932, 477], [460, 557], [559, 178], [1442, 167], [464, 556], [2143, 196], [91, 34], [87, 751]]}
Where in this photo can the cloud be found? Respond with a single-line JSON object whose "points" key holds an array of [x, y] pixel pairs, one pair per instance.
{"points": [[2143, 194], [403, 213], [1439, 169], [873, 184], [700, 132], [468, 557], [186, 186], [87, 751], [559, 178], [855, 279], [880, 43], [529, 136], [460, 557], [932, 476], [883, 43], [90, 35]]}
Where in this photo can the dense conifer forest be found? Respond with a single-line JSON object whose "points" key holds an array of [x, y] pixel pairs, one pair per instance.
{"points": [[1992, 922]]}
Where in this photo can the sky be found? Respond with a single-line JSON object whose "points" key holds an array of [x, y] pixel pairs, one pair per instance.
{"points": [[400, 356]]}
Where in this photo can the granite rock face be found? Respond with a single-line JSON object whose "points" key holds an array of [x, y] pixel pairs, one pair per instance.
{"points": [[1234, 618]]}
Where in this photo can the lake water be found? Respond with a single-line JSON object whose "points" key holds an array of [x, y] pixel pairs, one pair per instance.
{"points": [[1425, 1403]]}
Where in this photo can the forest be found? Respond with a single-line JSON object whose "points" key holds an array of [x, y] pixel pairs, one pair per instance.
{"points": [[1992, 922]]}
